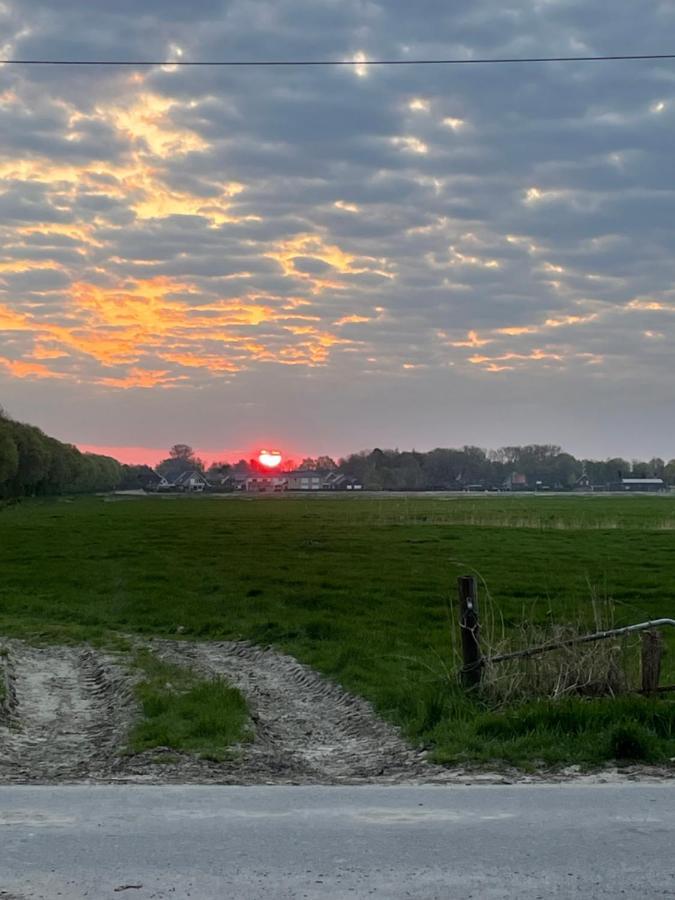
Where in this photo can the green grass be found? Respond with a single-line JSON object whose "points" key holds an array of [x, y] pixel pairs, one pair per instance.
{"points": [[185, 713], [563, 732], [359, 587]]}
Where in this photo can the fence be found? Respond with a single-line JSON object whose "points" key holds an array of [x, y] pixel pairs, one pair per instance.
{"points": [[474, 663]]}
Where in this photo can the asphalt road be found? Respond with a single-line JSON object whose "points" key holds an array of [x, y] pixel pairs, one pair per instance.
{"points": [[441, 842]]}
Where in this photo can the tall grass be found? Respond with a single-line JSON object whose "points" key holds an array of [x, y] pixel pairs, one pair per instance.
{"points": [[608, 667]]}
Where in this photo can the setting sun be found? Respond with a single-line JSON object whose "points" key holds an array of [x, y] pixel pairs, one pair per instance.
{"points": [[269, 458]]}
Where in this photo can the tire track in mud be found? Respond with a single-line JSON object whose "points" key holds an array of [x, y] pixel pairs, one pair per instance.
{"points": [[64, 714], [67, 711], [307, 729]]}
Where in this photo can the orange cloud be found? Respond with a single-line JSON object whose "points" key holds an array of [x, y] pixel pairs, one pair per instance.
{"points": [[560, 321], [312, 246], [21, 368], [15, 266], [143, 378], [506, 361], [472, 340], [10, 320], [81, 233], [146, 117], [551, 322], [649, 305], [353, 320], [196, 361], [515, 330], [144, 320], [144, 122], [41, 351]]}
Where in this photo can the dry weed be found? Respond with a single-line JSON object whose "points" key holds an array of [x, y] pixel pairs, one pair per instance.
{"points": [[602, 668]]}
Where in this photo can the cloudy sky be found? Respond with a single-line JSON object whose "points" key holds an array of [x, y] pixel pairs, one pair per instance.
{"points": [[328, 259]]}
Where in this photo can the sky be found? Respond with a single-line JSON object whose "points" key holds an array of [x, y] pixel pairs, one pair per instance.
{"points": [[331, 259]]}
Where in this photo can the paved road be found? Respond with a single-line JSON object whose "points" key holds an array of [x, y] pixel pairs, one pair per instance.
{"points": [[205, 843]]}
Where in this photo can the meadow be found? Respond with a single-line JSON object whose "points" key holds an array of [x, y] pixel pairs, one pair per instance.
{"points": [[363, 588]]}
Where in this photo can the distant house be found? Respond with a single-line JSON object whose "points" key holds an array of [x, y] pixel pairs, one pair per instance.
{"points": [[157, 483], [336, 481], [298, 480], [258, 483], [219, 479], [516, 481], [304, 480], [641, 485], [148, 479], [193, 482], [583, 483]]}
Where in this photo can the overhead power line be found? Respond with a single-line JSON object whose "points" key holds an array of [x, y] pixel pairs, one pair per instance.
{"points": [[270, 63]]}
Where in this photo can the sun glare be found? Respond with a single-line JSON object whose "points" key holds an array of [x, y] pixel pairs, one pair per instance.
{"points": [[269, 458]]}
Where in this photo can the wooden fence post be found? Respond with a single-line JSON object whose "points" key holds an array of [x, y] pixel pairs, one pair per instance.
{"points": [[652, 649], [469, 627]]}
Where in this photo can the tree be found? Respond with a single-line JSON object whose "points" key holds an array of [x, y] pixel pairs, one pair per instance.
{"points": [[444, 468], [326, 464], [62, 467], [181, 459], [136, 478], [656, 467], [617, 468], [9, 458], [182, 451], [34, 459], [219, 467], [639, 469], [565, 470], [86, 476]]}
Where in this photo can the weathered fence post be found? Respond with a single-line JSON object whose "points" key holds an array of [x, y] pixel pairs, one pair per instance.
{"points": [[652, 649], [469, 627]]}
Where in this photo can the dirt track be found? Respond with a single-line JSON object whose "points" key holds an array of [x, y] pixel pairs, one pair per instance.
{"points": [[67, 710], [307, 729]]}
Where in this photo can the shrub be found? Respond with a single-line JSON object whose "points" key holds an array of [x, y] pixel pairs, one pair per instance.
{"points": [[632, 742]]}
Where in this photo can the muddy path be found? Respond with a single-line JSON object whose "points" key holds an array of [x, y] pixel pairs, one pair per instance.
{"points": [[67, 711], [64, 712], [307, 729]]}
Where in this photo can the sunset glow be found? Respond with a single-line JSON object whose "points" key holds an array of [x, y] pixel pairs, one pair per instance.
{"points": [[337, 257], [269, 458]]}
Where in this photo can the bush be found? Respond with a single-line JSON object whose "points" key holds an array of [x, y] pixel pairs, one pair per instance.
{"points": [[632, 742]]}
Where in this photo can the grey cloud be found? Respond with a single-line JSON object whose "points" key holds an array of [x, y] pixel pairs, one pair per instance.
{"points": [[35, 280], [470, 249]]}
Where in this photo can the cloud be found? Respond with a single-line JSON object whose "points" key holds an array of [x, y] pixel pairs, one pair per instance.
{"points": [[175, 230]]}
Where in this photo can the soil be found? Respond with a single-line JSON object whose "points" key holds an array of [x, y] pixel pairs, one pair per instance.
{"points": [[307, 729], [66, 712]]}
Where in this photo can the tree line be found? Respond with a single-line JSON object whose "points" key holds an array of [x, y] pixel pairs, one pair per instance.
{"points": [[544, 465], [33, 464]]}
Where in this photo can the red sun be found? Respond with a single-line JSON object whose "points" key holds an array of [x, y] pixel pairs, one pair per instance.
{"points": [[269, 458]]}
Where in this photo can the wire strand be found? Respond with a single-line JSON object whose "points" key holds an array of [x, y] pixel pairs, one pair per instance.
{"points": [[269, 63]]}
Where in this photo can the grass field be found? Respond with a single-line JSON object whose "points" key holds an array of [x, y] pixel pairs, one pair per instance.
{"points": [[363, 589]]}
